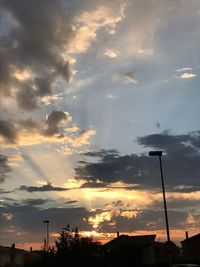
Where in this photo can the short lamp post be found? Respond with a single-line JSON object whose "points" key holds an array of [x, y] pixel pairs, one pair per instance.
{"points": [[159, 155], [47, 229]]}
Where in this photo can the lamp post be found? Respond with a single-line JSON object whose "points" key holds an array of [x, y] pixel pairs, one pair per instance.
{"points": [[47, 242], [159, 155]]}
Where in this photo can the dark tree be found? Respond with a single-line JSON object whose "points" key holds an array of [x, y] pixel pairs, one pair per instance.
{"points": [[72, 250]]}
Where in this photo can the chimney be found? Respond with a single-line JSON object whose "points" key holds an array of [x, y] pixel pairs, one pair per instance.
{"points": [[117, 233], [186, 234]]}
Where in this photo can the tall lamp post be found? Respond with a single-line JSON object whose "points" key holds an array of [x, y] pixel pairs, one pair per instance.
{"points": [[159, 155], [47, 241]]}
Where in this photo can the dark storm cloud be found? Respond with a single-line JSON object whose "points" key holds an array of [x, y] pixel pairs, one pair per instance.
{"points": [[71, 201], [94, 185], [107, 186], [27, 97], [180, 163], [2, 191], [179, 203], [29, 219], [53, 120], [128, 168], [185, 189], [158, 125], [36, 36], [34, 202], [147, 220], [101, 153], [8, 131], [43, 188], [4, 168]]}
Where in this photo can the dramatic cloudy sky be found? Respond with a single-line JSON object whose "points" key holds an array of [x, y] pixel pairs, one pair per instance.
{"points": [[87, 88]]}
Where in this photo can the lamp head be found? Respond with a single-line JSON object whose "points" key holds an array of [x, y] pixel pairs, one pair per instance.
{"points": [[155, 153]]}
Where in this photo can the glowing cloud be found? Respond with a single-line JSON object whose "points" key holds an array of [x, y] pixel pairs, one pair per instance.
{"points": [[111, 53], [7, 216], [187, 75], [86, 24], [57, 128]]}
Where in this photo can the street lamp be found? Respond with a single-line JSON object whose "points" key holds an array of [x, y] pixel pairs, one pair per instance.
{"points": [[47, 242], [159, 155]]}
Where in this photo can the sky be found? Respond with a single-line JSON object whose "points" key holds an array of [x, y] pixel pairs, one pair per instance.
{"points": [[87, 89]]}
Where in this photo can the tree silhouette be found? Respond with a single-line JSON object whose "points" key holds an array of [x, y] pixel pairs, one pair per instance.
{"points": [[71, 250]]}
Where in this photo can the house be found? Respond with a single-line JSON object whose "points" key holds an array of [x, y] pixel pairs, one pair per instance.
{"points": [[14, 257], [191, 247], [134, 250], [166, 252]]}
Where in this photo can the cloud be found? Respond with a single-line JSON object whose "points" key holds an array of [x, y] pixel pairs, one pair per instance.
{"points": [[125, 77], [38, 49], [180, 163], [8, 131], [2, 191], [56, 128], [177, 203], [48, 100], [4, 168], [111, 97], [54, 119], [120, 216], [111, 53], [88, 23], [186, 188], [101, 153], [71, 201], [95, 184], [28, 220], [34, 50], [184, 69], [187, 75], [34, 202], [30, 125], [158, 125], [44, 188]]}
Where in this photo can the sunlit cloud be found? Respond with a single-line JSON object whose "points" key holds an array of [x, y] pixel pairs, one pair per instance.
{"points": [[22, 75], [57, 128], [48, 100], [187, 75], [8, 216], [99, 218], [86, 24], [111, 53], [110, 213]]}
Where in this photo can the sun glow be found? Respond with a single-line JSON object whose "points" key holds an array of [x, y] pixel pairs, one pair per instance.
{"points": [[22, 75]]}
